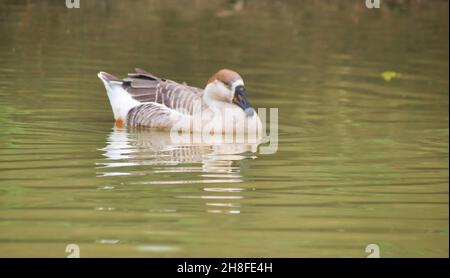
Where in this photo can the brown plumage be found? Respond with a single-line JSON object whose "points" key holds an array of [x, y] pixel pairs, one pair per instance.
{"points": [[227, 76], [145, 87]]}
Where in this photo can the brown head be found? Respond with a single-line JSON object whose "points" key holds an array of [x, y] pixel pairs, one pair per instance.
{"points": [[227, 85], [226, 76]]}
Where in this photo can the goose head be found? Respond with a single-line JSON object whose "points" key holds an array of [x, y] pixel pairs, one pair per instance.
{"points": [[227, 87]]}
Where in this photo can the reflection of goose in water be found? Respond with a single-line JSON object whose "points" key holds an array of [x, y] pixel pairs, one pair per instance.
{"points": [[158, 161], [131, 147]]}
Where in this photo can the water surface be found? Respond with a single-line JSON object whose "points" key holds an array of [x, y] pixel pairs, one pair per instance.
{"points": [[360, 160]]}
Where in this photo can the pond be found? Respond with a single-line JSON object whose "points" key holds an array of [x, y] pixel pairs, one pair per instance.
{"points": [[363, 149]]}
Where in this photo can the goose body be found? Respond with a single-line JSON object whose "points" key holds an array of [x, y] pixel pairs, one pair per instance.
{"points": [[142, 99]]}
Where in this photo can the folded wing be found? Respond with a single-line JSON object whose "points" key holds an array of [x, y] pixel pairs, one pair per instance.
{"points": [[147, 88]]}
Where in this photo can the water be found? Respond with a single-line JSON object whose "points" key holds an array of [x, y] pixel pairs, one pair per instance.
{"points": [[360, 160]]}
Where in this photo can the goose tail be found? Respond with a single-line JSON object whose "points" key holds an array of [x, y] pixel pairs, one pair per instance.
{"points": [[120, 100]]}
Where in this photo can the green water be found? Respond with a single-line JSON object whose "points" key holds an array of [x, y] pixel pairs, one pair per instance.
{"points": [[360, 159]]}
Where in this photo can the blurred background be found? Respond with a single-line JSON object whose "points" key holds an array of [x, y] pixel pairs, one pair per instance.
{"points": [[363, 98]]}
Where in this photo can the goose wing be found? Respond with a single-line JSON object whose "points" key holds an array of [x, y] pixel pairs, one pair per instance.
{"points": [[147, 88]]}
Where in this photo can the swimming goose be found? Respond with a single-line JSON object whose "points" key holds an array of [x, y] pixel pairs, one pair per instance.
{"points": [[142, 99]]}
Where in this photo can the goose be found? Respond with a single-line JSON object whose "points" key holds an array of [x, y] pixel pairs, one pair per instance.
{"points": [[144, 100]]}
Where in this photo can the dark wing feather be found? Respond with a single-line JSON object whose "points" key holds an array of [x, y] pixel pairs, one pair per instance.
{"points": [[145, 87]]}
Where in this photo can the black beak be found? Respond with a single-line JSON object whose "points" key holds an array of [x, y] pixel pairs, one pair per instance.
{"points": [[241, 100]]}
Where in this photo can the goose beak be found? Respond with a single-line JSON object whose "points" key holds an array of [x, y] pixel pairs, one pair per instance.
{"points": [[241, 100]]}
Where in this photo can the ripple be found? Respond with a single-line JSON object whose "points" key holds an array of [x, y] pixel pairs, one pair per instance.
{"points": [[157, 248]]}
